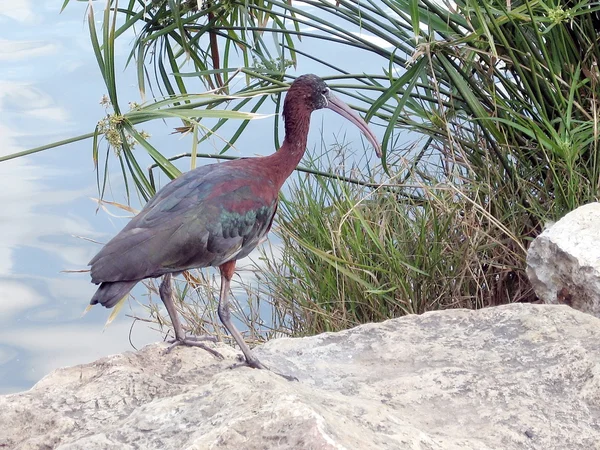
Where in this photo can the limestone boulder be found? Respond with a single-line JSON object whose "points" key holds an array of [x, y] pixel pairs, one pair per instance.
{"points": [[510, 377], [563, 262]]}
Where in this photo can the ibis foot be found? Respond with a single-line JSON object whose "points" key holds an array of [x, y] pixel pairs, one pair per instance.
{"points": [[166, 295], [256, 364], [194, 341], [248, 359]]}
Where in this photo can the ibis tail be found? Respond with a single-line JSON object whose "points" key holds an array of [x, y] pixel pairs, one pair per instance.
{"points": [[109, 293]]}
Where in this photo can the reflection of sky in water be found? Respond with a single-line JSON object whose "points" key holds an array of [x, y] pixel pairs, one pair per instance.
{"points": [[49, 90], [47, 93]]}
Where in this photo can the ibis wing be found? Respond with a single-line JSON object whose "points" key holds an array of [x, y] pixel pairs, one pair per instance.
{"points": [[204, 218]]}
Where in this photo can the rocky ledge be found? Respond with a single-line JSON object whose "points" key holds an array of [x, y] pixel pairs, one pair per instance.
{"points": [[510, 377]]}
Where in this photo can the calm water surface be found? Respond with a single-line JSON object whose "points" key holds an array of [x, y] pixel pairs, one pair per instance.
{"points": [[50, 89]]}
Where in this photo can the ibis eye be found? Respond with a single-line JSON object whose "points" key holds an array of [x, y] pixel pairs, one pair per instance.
{"points": [[325, 95]]}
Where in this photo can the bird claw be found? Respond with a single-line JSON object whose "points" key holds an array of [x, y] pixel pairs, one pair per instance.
{"points": [[194, 338], [194, 341], [287, 377], [256, 364]]}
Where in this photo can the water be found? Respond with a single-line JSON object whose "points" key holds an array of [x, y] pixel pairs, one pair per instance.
{"points": [[50, 89]]}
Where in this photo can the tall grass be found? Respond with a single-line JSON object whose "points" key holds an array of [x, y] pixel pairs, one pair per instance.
{"points": [[354, 253]]}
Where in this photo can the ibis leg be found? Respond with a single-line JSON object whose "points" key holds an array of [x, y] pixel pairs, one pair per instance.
{"points": [[166, 295], [227, 270]]}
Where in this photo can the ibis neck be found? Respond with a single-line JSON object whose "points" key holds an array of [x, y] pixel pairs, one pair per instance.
{"points": [[286, 159]]}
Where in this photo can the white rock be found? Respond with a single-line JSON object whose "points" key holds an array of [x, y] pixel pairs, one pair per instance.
{"points": [[511, 377], [563, 262]]}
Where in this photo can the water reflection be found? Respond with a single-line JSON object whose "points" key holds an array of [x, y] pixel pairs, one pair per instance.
{"points": [[34, 351], [40, 308], [45, 95]]}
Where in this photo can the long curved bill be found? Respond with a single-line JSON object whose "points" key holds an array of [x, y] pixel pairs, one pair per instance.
{"points": [[335, 104]]}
